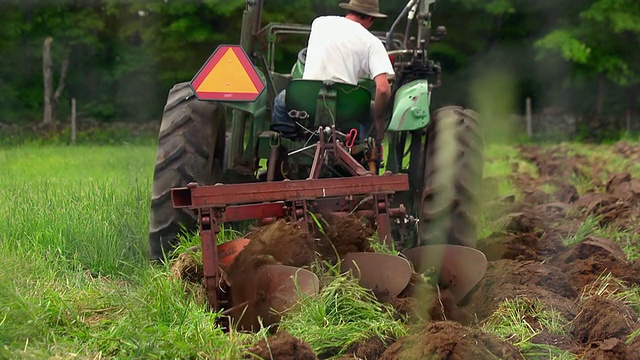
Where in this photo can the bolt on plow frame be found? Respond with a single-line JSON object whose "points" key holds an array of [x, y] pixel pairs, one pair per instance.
{"points": [[220, 161]]}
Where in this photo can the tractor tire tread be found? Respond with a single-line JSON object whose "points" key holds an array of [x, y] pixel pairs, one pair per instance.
{"points": [[186, 143], [451, 220]]}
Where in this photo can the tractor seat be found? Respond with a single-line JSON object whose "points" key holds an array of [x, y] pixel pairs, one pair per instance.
{"points": [[348, 105]]}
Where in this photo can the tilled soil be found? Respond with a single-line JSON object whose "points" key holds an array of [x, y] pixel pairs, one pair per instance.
{"points": [[280, 243], [281, 346], [528, 260], [449, 340], [342, 235]]}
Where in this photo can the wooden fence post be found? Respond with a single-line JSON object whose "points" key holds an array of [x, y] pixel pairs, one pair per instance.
{"points": [[529, 118], [73, 121]]}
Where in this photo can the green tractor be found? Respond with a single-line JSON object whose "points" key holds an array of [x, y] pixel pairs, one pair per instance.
{"points": [[220, 161]]}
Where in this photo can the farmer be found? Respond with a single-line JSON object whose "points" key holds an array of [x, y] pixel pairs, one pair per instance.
{"points": [[343, 50]]}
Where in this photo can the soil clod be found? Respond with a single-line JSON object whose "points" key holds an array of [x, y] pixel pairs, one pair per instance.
{"points": [[587, 261], [282, 346], [600, 319], [280, 243], [610, 349], [343, 235]]}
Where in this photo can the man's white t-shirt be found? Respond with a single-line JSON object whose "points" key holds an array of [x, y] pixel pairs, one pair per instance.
{"points": [[344, 51]]}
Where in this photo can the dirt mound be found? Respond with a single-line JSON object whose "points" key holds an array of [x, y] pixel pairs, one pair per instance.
{"points": [[343, 235], [592, 258], [624, 187], [618, 205], [510, 246], [279, 243], [528, 273], [536, 197], [566, 194], [610, 349], [450, 340], [369, 349], [554, 162], [529, 246], [441, 304], [286, 243], [509, 279], [532, 233], [563, 342], [600, 319], [522, 222], [627, 150], [281, 346]]}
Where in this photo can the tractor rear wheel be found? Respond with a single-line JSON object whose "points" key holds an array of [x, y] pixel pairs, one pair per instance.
{"points": [[190, 149], [453, 171]]}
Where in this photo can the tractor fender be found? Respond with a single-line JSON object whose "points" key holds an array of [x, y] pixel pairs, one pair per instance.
{"points": [[411, 107]]}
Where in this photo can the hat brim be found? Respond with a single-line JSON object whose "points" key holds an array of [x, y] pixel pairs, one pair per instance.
{"points": [[374, 14]]}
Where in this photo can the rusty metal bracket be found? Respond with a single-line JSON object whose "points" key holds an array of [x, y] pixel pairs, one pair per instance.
{"points": [[208, 235]]}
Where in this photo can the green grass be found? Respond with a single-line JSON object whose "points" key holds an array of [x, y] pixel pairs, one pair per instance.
{"points": [[615, 289], [500, 161], [74, 281], [341, 315], [519, 320], [588, 227]]}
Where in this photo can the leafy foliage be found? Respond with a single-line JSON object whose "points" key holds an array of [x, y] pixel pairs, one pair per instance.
{"points": [[125, 55]]}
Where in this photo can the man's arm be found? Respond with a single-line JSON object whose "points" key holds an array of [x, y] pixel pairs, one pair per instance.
{"points": [[383, 93]]}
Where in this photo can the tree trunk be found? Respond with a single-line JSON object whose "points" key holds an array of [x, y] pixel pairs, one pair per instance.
{"points": [[47, 72], [61, 82], [51, 98]]}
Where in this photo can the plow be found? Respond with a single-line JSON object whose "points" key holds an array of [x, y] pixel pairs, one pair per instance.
{"points": [[220, 161]]}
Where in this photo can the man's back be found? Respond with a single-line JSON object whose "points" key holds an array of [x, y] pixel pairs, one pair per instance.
{"points": [[344, 51]]}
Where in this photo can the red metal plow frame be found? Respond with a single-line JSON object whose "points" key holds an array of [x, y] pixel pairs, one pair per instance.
{"points": [[291, 199]]}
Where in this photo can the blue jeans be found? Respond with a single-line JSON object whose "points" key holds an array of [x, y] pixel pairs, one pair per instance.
{"points": [[280, 120]]}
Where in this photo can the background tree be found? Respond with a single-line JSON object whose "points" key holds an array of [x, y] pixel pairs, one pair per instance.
{"points": [[600, 40], [579, 55]]}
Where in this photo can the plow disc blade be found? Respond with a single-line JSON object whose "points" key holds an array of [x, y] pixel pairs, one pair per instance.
{"points": [[385, 275], [278, 288], [460, 267], [228, 251]]}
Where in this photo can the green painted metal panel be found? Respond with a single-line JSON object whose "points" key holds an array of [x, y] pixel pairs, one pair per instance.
{"points": [[411, 107], [297, 70], [353, 103]]}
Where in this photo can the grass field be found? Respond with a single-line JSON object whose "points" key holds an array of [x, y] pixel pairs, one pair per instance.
{"points": [[74, 280]]}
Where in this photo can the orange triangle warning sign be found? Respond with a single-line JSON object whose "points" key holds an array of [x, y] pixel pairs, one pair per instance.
{"points": [[228, 75]]}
